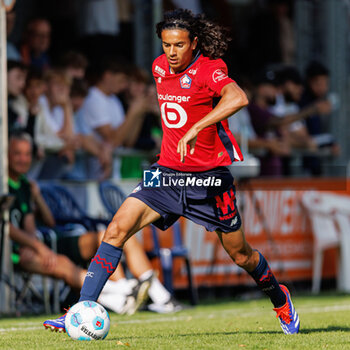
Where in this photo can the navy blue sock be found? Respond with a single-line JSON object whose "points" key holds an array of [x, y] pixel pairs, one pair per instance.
{"points": [[101, 267], [266, 281]]}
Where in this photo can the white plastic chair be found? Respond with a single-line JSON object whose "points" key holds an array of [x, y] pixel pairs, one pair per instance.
{"points": [[324, 230]]}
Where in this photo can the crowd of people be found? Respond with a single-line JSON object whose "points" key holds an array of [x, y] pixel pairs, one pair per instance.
{"points": [[78, 113], [288, 112], [65, 108]]}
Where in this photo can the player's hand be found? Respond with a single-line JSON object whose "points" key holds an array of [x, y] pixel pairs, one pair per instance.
{"points": [[190, 139]]}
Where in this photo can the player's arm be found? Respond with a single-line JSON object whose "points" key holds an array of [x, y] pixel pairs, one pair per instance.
{"points": [[233, 98]]}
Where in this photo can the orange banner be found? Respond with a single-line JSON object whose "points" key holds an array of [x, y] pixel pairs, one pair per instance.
{"points": [[275, 222]]}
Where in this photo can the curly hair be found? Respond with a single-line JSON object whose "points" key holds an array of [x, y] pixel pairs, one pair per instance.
{"points": [[212, 38]]}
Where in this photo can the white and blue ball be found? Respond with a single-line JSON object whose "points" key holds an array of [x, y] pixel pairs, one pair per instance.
{"points": [[87, 320]]}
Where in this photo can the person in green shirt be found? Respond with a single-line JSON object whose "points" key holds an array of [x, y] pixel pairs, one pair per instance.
{"points": [[31, 255]]}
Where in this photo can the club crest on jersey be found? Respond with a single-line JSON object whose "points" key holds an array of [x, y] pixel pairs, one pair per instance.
{"points": [[185, 81]]}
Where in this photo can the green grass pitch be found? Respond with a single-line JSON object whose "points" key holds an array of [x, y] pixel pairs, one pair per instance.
{"points": [[325, 324]]}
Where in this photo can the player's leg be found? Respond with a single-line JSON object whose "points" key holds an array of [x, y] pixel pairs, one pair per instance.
{"points": [[256, 265], [132, 216], [139, 266]]}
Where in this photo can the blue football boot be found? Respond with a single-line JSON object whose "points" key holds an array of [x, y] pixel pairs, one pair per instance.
{"points": [[288, 317]]}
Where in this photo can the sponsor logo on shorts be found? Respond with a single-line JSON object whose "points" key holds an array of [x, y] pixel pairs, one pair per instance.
{"points": [[136, 189], [156, 178], [151, 178], [185, 81], [234, 221], [226, 204], [219, 75], [90, 274]]}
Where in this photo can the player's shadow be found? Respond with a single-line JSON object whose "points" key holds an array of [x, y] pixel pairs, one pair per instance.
{"points": [[325, 329], [305, 330], [177, 335], [302, 331]]}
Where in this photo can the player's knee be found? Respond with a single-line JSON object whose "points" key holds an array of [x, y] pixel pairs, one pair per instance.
{"points": [[117, 232], [242, 260]]}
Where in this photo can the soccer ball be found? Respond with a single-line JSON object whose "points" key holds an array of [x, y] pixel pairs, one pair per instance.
{"points": [[87, 320]]}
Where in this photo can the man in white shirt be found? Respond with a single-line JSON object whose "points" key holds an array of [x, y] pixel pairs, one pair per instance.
{"points": [[103, 114]]}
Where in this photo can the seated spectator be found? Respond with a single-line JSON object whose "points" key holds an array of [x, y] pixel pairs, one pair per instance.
{"points": [[266, 124], [140, 87], [55, 133], [30, 254], [241, 126], [87, 142], [35, 87], [103, 113], [28, 110], [16, 78], [317, 90], [118, 295], [290, 89], [74, 64], [34, 50]]}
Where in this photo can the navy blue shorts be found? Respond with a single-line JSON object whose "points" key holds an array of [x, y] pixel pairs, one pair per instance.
{"points": [[207, 198]]}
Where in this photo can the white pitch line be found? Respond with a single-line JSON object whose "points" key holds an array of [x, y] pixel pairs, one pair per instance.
{"points": [[302, 310], [25, 329]]}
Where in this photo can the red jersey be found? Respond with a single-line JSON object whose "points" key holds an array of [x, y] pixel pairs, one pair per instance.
{"points": [[184, 99]]}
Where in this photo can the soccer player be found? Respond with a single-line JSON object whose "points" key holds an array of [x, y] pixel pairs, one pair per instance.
{"points": [[196, 147]]}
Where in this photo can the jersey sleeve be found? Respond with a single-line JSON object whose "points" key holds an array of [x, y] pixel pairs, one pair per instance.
{"points": [[214, 76]]}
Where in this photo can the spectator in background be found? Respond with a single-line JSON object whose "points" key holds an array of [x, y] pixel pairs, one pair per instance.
{"points": [[86, 141], [11, 50], [103, 113], [267, 125], [290, 89], [35, 87], [241, 126], [317, 90], [32, 255], [140, 87], [27, 107], [16, 78], [34, 50], [55, 132], [74, 64]]}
